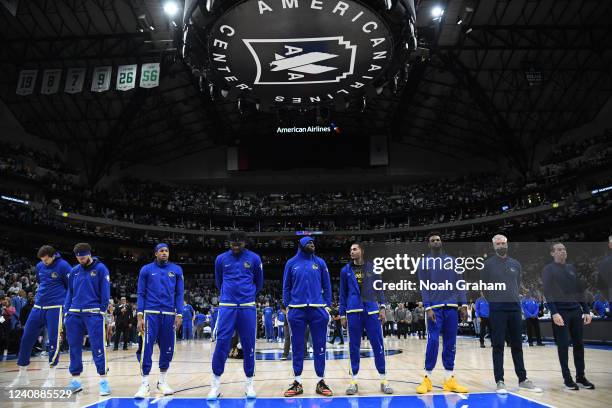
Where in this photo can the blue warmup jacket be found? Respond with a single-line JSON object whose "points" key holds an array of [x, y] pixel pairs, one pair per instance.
{"points": [[52, 282], [281, 317], [601, 305], [306, 280], [433, 271], [200, 319], [351, 298], [530, 307], [482, 307], [238, 278], [160, 288], [88, 288], [268, 313], [188, 312]]}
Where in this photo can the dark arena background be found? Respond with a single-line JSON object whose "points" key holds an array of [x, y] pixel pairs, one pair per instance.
{"points": [[129, 123]]}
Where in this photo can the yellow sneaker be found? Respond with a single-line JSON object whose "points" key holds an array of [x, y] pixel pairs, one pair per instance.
{"points": [[452, 385], [425, 386]]}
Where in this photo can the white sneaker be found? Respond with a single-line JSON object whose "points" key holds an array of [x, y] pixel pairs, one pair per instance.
{"points": [[249, 391], [164, 388], [501, 388], [49, 382], [214, 392], [20, 381], [143, 392]]}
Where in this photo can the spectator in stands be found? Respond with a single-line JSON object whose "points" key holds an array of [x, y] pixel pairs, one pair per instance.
{"points": [[601, 307], [419, 317], [403, 317], [482, 315], [123, 323], [389, 321], [531, 308]]}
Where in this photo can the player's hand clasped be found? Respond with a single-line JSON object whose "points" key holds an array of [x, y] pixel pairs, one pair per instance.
{"points": [[558, 319]]}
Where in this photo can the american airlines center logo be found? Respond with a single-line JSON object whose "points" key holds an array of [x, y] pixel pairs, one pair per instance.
{"points": [[293, 64], [298, 51]]}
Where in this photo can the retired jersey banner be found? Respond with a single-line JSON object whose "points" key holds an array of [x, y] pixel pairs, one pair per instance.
{"points": [[26, 81], [100, 80], [126, 77], [50, 81], [149, 75], [75, 78]]}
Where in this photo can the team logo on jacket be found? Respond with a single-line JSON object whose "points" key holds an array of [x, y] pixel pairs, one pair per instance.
{"points": [[247, 265], [299, 52], [93, 273], [171, 274], [54, 275], [315, 266]]}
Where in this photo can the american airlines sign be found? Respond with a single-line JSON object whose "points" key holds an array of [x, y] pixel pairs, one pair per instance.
{"points": [[299, 51]]}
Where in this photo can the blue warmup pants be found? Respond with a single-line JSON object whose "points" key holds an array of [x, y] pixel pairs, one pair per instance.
{"points": [[77, 324], [52, 317], [281, 333], [445, 324], [356, 323], [318, 319], [187, 330], [269, 329], [158, 328], [231, 319]]}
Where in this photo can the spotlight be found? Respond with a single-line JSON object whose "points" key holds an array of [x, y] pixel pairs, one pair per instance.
{"points": [[437, 12], [143, 24], [469, 30], [459, 20], [170, 8]]}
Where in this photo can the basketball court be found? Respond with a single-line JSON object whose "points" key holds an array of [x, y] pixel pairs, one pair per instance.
{"points": [[190, 374]]}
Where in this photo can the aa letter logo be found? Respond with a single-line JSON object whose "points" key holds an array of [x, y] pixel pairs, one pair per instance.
{"points": [[302, 60]]}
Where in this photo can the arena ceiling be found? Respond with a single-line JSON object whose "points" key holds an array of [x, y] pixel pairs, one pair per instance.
{"points": [[510, 75]]}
